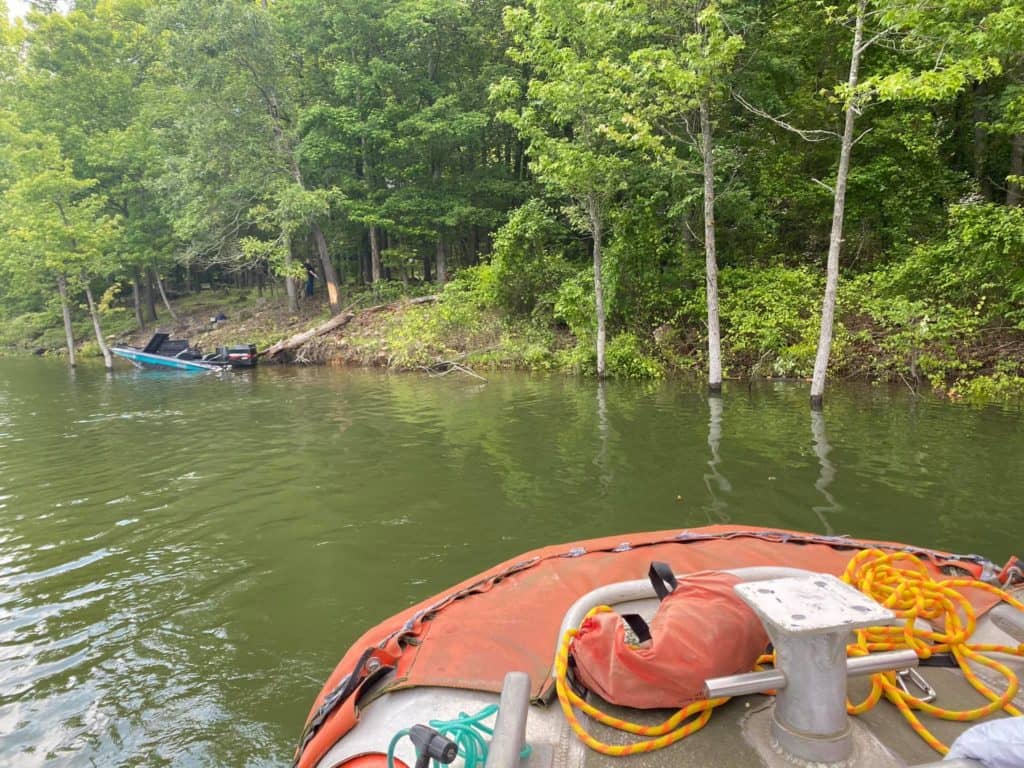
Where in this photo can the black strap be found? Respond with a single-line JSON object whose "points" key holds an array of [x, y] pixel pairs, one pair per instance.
{"points": [[638, 625], [939, 660], [662, 579]]}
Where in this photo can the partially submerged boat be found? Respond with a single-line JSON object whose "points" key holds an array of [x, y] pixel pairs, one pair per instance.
{"points": [[882, 654], [164, 352]]}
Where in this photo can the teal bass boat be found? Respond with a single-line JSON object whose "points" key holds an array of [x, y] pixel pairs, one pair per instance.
{"points": [[164, 352]]}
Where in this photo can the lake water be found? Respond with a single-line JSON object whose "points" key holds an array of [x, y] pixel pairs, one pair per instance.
{"points": [[183, 559]]}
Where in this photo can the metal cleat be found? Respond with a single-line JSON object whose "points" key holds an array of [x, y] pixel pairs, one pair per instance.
{"points": [[809, 620]]}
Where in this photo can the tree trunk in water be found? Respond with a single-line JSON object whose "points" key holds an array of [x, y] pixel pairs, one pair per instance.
{"points": [[330, 275], [163, 295], [108, 361], [711, 256], [594, 213], [374, 255], [148, 299], [137, 297], [289, 281], [1016, 169], [65, 308], [442, 263], [828, 305]]}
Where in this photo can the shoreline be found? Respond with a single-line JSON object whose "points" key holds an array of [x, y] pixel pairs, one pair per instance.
{"points": [[409, 335]]}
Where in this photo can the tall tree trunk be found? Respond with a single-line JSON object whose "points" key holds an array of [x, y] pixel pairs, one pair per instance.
{"points": [[374, 255], [108, 361], [711, 256], [148, 298], [594, 213], [330, 275], [828, 305], [163, 295], [289, 281], [426, 269], [442, 262], [1016, 169], [137, 296], [65, 308]]}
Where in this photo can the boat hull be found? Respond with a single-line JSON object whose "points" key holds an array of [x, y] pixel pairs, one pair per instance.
{"points": [[140, 358], [450, 653]]}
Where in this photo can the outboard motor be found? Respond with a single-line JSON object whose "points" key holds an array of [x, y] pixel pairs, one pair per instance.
{"points": [[242, 356]]}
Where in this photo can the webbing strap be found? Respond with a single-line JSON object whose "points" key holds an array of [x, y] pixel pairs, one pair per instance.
{"points": [[638, 625], [662, 579]]}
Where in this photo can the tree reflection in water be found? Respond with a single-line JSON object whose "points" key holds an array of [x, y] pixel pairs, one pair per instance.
{"points": [[714, 480], [826, 471]]}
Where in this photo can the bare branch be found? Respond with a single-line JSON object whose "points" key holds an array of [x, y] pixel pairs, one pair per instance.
{"points": [[693, 234], [821, 183], [805, 134], [867, 44], [865, 133]]}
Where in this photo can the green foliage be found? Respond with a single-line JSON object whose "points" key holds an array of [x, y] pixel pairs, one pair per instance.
{"points": [[627, 360], [999, 387], [528, 261], [137, 135], [980, 263], [24, 330], [574, 305], [769, 319]]}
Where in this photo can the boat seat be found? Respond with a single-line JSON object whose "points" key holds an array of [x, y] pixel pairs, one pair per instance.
{"points": [[173, 347], [155, 342]]}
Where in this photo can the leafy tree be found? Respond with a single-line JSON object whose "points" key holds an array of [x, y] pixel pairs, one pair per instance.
{"points": [[571, 100], [672, 83], [54, 226]]}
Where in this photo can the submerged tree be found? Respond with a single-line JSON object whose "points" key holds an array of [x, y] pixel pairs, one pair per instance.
{"points": [[828, 305], [673, 83], [572, 101]]}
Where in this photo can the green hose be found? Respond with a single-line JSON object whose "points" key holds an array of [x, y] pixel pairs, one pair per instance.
{"points": [[467, 731]]}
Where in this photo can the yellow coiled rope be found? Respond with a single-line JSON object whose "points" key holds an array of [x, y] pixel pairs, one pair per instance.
{"points": [[900, 582]]}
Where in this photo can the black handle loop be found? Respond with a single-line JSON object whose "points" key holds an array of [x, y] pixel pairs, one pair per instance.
{"points": [[638, 625], [662, 579]]}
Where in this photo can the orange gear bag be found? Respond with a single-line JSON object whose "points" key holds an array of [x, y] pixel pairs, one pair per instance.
{"points": [[702, 629]]}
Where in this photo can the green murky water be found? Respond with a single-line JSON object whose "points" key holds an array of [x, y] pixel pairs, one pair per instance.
{"points": [[183, 559]]}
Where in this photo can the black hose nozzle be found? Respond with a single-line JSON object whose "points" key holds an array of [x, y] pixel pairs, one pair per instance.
{"points": [[431, 745]]}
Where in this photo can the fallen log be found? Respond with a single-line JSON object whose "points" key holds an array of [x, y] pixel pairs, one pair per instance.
{"points": [[336, 322]]}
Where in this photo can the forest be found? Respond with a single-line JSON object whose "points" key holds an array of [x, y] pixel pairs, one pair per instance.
{"points": [[735, 188]]}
